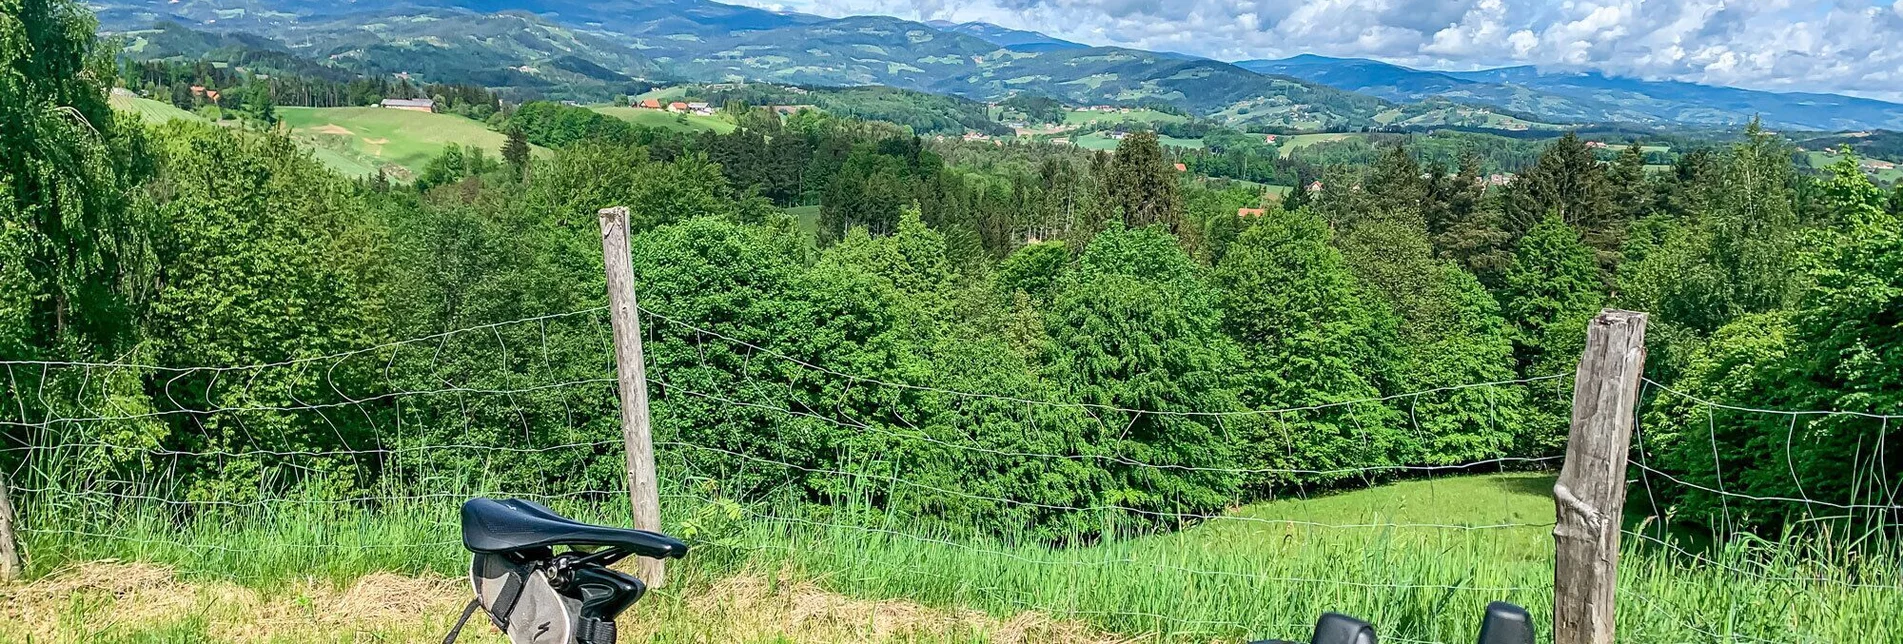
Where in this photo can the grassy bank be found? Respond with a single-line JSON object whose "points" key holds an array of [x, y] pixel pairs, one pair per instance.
{"points": [[1419, 558]]}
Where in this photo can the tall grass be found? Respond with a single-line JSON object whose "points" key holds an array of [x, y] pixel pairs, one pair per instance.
{"points": [[1247, 577]]}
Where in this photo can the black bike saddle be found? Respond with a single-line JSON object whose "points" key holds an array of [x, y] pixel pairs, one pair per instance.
{"points": [[509, 525]]}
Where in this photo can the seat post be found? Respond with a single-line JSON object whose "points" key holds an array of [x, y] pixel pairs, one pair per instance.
{"points": [[604, 594]]}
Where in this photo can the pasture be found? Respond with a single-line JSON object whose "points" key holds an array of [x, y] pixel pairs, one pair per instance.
{"points": [[150, 111], [357, 140], [667, 120]]}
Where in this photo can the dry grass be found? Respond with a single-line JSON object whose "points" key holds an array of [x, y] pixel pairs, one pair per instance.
{"points": [[126, 602], [775, 608]]}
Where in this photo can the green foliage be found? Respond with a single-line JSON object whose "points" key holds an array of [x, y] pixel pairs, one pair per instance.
{"points": [[554, 125], [454, 164], [1035, 269], [1838, 348], [1548, 293], [77, 266], [1308, 338], [515, 152], [1142, 184], [1026, 342], [1568, 182], [923, 113], [1136, 327], [259, 251], [1733, 253], [69, 165]]}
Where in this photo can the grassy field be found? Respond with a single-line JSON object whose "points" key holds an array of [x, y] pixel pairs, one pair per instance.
{"points": [[666, 120], [808, 216], [664, 94], [1822, 159], [149, 110], [1264, 570], [1133, 116], [358, 140], [1102, 141]]}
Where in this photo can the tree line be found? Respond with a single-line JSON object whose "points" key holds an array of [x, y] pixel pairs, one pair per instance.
{"points": [[1156, 326]]}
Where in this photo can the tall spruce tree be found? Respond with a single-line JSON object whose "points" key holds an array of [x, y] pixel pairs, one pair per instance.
{"points": [[1567, 182], [1142, 183], [515, 152]]}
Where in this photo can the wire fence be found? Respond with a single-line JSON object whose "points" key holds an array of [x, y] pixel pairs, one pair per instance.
{"points": [[986, 496]]}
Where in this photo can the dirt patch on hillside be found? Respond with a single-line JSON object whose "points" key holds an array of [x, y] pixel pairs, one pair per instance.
{"points": [[111, 601], [333, 128]]}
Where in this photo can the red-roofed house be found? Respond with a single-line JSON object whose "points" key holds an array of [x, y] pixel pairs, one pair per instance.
{"points": [[676, 106], [1182, 168], [1251, 212], [652, 103]]}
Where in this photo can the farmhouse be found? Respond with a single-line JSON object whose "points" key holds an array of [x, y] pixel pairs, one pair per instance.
{"points": [[652, 104], [1251, 212], [676, 106], [411, 104]]}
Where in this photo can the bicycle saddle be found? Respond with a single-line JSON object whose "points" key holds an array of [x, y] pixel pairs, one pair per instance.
{"points": [[493, 526]]}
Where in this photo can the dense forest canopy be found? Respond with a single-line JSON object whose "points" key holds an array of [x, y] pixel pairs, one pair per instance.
{"points": [[1169, 316]]}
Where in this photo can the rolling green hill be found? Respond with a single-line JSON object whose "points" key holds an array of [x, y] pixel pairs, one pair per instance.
{"points": [[666, 120], [358, 140]]}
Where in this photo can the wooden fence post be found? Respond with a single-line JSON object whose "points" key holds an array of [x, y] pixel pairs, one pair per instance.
{"points": [[1590, 494], [631, 375], [11, 568]]}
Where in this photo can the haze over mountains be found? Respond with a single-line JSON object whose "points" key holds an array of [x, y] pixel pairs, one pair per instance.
{"points": [[566, 46]]}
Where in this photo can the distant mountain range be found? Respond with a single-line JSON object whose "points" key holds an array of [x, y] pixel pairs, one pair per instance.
{"points": [[1590, 96], [561, 47], [1011, 39]]}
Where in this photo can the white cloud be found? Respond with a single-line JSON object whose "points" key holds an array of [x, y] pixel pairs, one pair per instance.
{"points": [[1812, 45]]}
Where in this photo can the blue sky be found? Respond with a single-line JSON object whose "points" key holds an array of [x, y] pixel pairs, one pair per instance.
{"points": [[1846, 46]]}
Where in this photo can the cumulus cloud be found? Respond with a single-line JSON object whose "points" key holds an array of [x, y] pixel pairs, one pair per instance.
{"points": [[1847, 46]]}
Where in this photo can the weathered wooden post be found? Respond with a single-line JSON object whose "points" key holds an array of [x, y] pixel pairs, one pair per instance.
{"points": [[631, 375], [11, 568], [1590, 494]]}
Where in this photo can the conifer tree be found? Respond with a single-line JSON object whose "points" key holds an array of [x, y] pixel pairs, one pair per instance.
{"points": [[515, 152], [1142, 183]]}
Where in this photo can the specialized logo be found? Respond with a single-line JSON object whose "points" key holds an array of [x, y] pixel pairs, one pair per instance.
{"points": [[543, 629]]}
